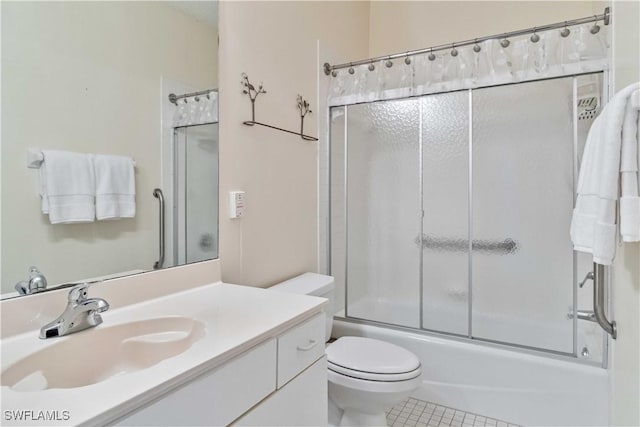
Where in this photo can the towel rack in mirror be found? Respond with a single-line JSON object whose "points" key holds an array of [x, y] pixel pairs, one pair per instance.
{"points": [[35, 158]]}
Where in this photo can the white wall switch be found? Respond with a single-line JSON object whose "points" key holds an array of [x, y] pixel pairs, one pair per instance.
{"points": [[236, 204]]}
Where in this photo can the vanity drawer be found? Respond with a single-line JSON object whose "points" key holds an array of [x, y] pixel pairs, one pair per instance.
{"points": [[300, 347]]}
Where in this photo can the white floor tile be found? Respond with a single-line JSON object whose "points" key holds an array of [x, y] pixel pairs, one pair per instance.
{"points": [[418, 413]]}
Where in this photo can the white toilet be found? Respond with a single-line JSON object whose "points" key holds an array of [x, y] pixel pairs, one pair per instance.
{"points": [[366, 376]]}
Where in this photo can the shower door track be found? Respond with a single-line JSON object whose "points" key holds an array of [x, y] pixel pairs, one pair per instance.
{"points": [[463, 338]]}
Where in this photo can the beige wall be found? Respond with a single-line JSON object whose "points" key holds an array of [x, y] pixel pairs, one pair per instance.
{"points": [[625, 351], [397, 26], [72, 80], [276, 43]]}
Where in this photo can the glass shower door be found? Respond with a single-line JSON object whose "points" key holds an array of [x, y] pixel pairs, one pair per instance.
{"points": [[522, 202], [445, 204], [451, 213], [383, 212], [196, 189]]}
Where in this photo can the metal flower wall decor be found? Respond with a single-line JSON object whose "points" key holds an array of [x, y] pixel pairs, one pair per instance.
{"points": [[252, 92], [305, 108]]}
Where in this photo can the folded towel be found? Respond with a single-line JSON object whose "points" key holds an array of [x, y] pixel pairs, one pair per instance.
{"points": [[629, 177], [608, 174], [630, 209], [115, 187], [67, 187]]}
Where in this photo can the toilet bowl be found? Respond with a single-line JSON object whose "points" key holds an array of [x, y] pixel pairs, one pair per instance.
{"points": [[366, 376]]}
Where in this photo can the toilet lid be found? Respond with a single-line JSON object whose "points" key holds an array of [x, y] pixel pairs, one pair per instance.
{"points": [[369, 376], [371, 356]]}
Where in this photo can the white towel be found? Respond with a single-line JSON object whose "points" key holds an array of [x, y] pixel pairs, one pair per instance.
{"points": [[629, 177], [67, 187], [609, 168], [115, 187]]}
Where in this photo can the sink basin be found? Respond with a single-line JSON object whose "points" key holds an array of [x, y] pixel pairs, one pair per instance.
{"points": [[101, 353]]}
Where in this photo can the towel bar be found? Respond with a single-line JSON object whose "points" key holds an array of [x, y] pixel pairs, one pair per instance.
{"points": [[35, 159]]}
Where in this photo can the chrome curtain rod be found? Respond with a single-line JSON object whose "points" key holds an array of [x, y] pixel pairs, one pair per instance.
{"points": [[605, 17], [173, 98]]}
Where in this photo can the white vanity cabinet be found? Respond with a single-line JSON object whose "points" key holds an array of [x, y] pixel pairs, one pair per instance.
{"points": [[301, 402], [282, 381]]}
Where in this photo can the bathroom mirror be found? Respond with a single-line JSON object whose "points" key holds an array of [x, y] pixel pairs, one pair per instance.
{"points": [[95, 78]]}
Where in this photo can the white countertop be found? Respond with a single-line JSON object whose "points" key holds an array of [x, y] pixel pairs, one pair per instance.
{"points": [[236, 319]]}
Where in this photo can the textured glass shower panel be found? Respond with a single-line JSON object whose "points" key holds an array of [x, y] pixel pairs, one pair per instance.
{"points": [[197, 193], [522, 262], [338, 226], [383, 212], [445, 202]]}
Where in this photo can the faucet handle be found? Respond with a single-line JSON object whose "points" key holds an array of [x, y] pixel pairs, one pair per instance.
{"points": [[78, 293], [22, 287]]}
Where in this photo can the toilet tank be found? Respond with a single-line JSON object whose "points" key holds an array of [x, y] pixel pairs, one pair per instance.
{"points": [[318, 285]]}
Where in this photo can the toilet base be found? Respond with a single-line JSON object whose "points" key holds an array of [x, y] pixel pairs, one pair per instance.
{"points": [[353, 418], [363, 403], [335, 414], [340, 418]]}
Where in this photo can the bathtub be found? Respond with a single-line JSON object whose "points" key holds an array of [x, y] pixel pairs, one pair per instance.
{"points": [[498, 382]]}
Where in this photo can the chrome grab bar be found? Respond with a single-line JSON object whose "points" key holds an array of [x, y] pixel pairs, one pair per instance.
{"points": [[598, 302], [506, 246], [157, 193], [597, 315]]}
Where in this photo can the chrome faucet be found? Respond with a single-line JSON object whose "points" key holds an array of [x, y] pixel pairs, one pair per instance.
{"points": [[36, 283], [81, 313]]}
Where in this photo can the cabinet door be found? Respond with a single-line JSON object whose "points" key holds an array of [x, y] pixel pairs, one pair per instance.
{"points": [[302, 402], [218, 397]]}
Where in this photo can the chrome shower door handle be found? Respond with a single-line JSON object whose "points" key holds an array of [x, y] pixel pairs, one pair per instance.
{"points": [[157, 193]]}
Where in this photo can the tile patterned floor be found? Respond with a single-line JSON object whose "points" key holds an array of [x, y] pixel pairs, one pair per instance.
{"points": [[418, 413]]}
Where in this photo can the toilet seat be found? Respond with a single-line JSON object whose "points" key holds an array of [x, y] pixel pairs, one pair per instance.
{"points": [[351, 383], [371, 360], [372, 376]]}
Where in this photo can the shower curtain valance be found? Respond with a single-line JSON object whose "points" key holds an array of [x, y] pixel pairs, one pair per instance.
{"points": [[195, 109], [491, 62]]}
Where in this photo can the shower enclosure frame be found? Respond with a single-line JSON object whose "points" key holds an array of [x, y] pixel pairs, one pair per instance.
{"points": [[469, 338], [180, 208]]}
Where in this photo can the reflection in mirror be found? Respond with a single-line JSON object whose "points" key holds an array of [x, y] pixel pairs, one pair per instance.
{"points": [[95, 78], [195, 182]]}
